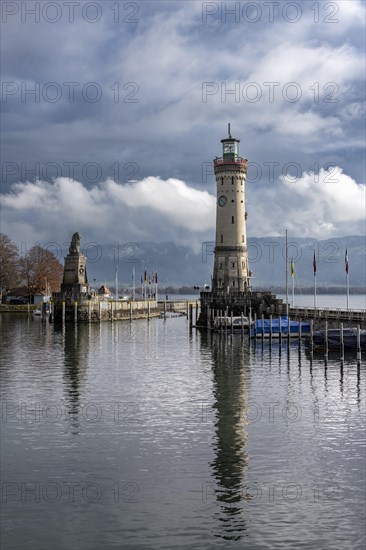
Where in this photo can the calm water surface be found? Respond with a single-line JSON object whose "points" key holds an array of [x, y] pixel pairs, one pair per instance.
{"points": [[147, 436]]}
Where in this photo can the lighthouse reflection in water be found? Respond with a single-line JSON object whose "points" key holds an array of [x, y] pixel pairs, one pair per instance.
{"points": [[230, 365]]}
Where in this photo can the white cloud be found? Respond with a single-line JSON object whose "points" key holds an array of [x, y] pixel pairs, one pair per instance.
{"points": [[150, 209], [319, 205], [316, 205]]}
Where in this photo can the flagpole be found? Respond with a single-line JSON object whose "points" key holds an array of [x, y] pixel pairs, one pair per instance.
{"points": [[286, 276], [347, 277], [315, 290], [116, 282]]}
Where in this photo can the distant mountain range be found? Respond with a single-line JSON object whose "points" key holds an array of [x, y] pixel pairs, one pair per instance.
{"points": [[178, 265]]}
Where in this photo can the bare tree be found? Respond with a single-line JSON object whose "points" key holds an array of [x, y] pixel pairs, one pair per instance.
{"points": [[40, 270], [9, 276]]}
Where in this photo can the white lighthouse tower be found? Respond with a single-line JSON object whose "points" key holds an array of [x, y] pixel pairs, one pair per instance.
{"points": [[231, 270]]}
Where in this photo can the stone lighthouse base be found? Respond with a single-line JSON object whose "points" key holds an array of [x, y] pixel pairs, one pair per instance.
{"points": [[246, 303]]}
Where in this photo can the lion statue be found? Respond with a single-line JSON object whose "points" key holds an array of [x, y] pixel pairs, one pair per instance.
{"points": [[75, 244]]}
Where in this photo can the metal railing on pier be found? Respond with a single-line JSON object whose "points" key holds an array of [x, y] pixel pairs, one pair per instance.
{"points": [[329, 313]]}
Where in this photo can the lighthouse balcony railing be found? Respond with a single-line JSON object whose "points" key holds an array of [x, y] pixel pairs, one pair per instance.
{"points": [[235, 160]]}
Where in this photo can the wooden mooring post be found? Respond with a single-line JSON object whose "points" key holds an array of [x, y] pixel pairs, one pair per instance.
{"points": [[255, 325], [270, 328], [232, 323], [75, 312], [190, 315], [280, 329], [358, 345], [300, 329], [196, 311], [63, 311], [262, 318], [342, 344], [311, 336], [165, 311], [326, 348], [148, 310]]}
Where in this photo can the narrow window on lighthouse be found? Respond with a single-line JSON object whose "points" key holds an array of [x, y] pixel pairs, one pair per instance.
{"points": [[242, 238], [232, 219], [232, 180], [233, 264], [242, 265], [222, 238], [220, 266], [222, 181]]}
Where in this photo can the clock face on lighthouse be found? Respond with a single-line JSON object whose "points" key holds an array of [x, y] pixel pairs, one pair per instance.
{"points": [[222, 200]]}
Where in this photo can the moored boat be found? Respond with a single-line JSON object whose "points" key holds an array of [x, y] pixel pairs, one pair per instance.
{"points": [[224, 323], [279, 326], [334, 338]]}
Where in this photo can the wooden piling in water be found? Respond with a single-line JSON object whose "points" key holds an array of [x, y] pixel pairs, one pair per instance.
{"points": [[326, 349], [165, 310], [311, 335], [262, 318], [232, 325], [63, 311], [342, 344], [300, 329], [280, 329], [148, 310], [288, 328], [255, 325], [100, 311], [89, 311], [190, 315], [75, 311], [242, 324], [196, 311], [270, 328], [358, 345]]}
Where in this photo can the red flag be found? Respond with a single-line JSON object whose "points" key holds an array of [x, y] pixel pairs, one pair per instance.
{"points": [[314, 264], [346, 261]]}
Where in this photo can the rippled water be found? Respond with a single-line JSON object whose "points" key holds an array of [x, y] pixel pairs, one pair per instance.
{"points": [[147, 436]]}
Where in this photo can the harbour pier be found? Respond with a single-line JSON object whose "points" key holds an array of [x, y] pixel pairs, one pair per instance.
{"points": [[92, 309]]}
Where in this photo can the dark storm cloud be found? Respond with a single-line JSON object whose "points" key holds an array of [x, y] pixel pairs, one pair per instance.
{"points": [[169, 77]]}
